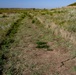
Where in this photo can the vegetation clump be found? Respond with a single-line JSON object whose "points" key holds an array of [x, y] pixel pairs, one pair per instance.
{"points": [[33, 21], [41, 44], [72, 28], [4, 15]]}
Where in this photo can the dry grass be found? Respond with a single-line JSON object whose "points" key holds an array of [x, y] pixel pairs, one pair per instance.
{"points": [[64, 26], [41, 45], [5, 24]]}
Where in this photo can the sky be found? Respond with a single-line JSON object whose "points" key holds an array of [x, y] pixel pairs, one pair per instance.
{"points": [[34, 3]]}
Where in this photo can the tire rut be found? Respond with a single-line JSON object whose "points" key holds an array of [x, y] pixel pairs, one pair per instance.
{"points": [[9, 39]]}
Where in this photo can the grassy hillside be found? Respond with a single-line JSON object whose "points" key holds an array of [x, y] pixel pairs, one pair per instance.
{"points": [[73, 4], [38, 41]]}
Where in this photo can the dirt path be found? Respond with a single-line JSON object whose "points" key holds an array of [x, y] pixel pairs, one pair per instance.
{"points": [[26, 59]]}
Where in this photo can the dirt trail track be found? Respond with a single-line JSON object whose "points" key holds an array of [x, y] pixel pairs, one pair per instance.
{"points": [[26, 59]]}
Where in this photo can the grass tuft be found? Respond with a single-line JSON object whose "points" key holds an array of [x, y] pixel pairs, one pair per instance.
{"points": [[42, 45]]}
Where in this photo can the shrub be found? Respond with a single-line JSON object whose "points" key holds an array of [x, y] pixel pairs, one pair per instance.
{"points": [[0, 12], [4, 15]]}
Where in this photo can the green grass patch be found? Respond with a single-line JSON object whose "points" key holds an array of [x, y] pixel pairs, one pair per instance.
{"points": [[42, 45]]}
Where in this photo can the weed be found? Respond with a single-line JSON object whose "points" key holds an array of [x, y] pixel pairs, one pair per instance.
{"points": [[42, 45], [33, 21]]}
